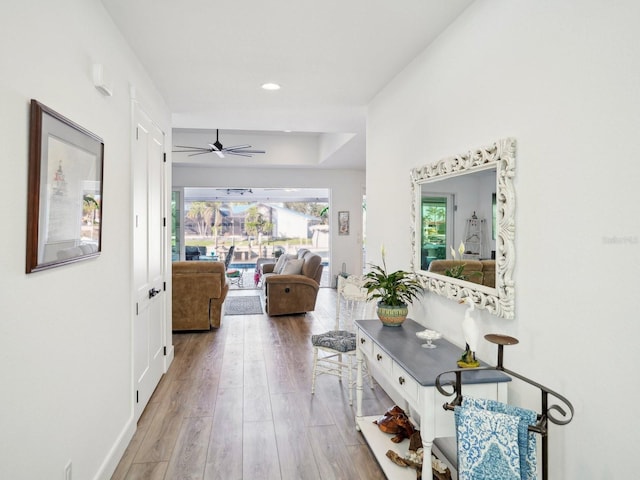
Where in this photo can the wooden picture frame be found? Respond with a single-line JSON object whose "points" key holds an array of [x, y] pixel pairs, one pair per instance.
{"points": [[343, 223], [64, 205]]}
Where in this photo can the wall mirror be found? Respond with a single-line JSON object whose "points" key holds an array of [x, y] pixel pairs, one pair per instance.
{"points": [[467, 199]]}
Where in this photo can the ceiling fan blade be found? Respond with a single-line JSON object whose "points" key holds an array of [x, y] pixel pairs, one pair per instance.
{"points": [[251, 151], [239, 153], [236, 147], [199, 153], [190, 149]]}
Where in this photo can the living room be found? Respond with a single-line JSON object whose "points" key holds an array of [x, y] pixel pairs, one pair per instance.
{"points": [[561, 78]]}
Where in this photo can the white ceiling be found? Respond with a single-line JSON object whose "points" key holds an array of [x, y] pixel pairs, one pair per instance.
{"points": [[331, 57]]}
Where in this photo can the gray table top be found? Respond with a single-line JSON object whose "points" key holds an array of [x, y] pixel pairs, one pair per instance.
{"points": [[424, 365]]}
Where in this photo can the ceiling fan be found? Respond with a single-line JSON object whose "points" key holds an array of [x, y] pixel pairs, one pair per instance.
{"points": [[218, 149]]}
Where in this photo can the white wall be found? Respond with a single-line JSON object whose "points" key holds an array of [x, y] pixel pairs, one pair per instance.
{"points": [[346, 195], [65, 333], [562, 78]]}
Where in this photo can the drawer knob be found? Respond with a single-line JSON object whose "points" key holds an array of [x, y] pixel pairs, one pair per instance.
{"points": [[379, 357], [401, 380], [362, 340]]}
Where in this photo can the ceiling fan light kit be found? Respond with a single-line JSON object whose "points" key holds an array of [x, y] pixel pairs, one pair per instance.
{"points": [[217, 148]]}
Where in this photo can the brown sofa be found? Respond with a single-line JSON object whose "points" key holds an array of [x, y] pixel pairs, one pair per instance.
{"points": [[482, 272], [287, 294], [199, 290]]}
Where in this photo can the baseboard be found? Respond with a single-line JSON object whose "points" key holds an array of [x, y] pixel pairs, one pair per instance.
{"points": [[117, 451], [168, 359]]}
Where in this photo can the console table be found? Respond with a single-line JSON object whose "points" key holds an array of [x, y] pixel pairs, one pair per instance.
{"points": [[397, 360]]}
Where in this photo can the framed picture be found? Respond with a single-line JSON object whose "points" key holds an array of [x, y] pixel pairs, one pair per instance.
{"points": [[343, 223], [64, 205]]}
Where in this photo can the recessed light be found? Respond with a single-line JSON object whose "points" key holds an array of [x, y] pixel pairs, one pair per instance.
{"points": [[271, 86]]}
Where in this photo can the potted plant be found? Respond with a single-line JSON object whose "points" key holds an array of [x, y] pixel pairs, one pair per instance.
{"points": [[394, 292]]}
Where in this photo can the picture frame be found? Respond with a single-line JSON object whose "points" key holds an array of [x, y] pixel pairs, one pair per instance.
{"points": [[65, 202], [343, 223]]}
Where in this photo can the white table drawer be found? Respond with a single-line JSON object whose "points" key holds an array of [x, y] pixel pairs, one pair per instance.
{"points": [[365, 343], [381, 359], [404, 382]]}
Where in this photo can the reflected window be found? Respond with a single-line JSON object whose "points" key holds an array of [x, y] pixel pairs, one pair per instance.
{"points": [[436, 212]]}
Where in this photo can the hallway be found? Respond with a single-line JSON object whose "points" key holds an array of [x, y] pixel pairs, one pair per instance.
{"points": [[236, 404]]}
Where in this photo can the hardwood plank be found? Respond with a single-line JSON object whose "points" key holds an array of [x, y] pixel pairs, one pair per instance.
{"points": [[331, 456], [225, 452], [190, 455], [122, 470], [368, 468], [162, 435], [294, 449], [260, 454], [147, 471]]}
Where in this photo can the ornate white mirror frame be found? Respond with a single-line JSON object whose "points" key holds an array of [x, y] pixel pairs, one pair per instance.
{"points": [[501, 156]]}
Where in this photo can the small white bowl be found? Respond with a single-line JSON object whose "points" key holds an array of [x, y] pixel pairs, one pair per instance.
{"points": [[428, 335]]}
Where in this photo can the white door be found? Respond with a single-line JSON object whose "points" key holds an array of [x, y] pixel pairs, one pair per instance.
{"points": [[148, 265]]}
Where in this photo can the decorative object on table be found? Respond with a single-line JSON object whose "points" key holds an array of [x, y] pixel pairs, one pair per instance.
{"points": [[394, 291], [471, 332], [395, 421], [343, 223], [429, 336], [64, 212]]}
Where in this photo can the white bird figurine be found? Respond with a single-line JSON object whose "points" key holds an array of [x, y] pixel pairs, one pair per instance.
{"points": [[471, 333]]}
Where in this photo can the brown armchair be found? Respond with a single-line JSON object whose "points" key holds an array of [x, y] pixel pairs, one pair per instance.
{"points": [[199, 290], [290, 293]]}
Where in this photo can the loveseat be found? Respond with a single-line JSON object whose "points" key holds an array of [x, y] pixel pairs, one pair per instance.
{"points": [[482, 272], [199, 290], [291, 285]]}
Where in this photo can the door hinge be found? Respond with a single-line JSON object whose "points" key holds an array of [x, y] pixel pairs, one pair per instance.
{"points": [[164, 286], [164, 221], [137, 396], [137, 133], [164, 156], [136, 308], [165, 351]]}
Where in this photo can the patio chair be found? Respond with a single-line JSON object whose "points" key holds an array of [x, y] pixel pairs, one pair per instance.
{"points": [[234, 275]]}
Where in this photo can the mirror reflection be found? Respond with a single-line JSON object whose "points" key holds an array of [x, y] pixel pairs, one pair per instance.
{"points": [[463, 226], [455, 212]]}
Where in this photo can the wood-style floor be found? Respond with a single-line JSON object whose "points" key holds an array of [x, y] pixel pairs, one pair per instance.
{"points": [[236, 404]]}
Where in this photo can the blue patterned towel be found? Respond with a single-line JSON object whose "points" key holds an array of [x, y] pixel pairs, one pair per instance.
{"points": [[526, 439], [487, 445]]}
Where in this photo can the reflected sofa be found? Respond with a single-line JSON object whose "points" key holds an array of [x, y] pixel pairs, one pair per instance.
{"points": [[482, 272], [292, 287], [198, 292]]}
